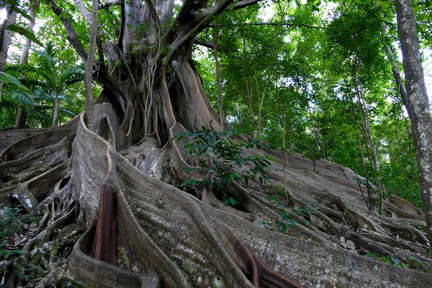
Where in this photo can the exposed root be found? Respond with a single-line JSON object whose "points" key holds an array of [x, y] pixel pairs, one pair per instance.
{"points": [[251, 265], [168, 237], [100, 274], [57, 271]]}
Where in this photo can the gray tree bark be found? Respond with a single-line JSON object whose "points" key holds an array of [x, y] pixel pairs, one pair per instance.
{"points": [[5, 39], [365, 131], [90, 64], [417, 103]]}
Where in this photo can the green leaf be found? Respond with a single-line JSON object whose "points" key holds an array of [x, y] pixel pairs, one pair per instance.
{"points": [[12, 2], [26, 33], [282, 227], [6, 78], [46, 56], [230, 201], [371, 254], [246, 179], [292, 223], [284, 214], [192, 182], [234, 176], [179, 136], [18, 10]]}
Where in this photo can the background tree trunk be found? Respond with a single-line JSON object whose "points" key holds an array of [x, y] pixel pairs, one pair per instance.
{"points": [[5, 39], [215, 36], [365, 131], [21, 118]]}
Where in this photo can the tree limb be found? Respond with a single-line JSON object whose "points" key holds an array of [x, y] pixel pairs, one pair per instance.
{"points": [[109, 3], [245, 3], [206, 43], [72, 36], [202, 22], [187, 8], [209, 44], [83, 10], [153, 12], [268, 24]]}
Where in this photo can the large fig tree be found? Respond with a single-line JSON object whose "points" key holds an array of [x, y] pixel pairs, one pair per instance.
{"points": [[101, 194]]}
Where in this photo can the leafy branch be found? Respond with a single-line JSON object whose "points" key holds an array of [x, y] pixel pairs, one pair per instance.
{"points": [[221, 155]]}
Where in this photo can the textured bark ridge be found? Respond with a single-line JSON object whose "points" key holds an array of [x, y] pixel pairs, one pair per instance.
{"points": [[417, 102]]}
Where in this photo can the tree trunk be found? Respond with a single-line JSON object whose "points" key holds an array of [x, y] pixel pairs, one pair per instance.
{"points": [[215, 36], [123, 176], [261, 98], [90, 63], [21, 118], [249, 90], [417, 103], [367, 135], [369, 198], [56, 109], [5, 39], [27, 44], [394, 67]]}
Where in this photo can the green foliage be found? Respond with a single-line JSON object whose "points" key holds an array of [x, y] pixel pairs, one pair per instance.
{"points": [[423, 12], [42, 81], [290, 216], [419, 226], [221, 157], [27, 266], [299, 83], [290, 84], [408, 262], [10, 225], [10, 221], [385, 259], [15, 6], [6, 78], [354, 32], [5, 253], [24, 32]]}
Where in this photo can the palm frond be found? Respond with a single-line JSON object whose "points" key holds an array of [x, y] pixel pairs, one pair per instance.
{"points": [[65, 97], [6, 78], [67, 111], [6, 121], [42, 116], [21, 98], [41, 95]]}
